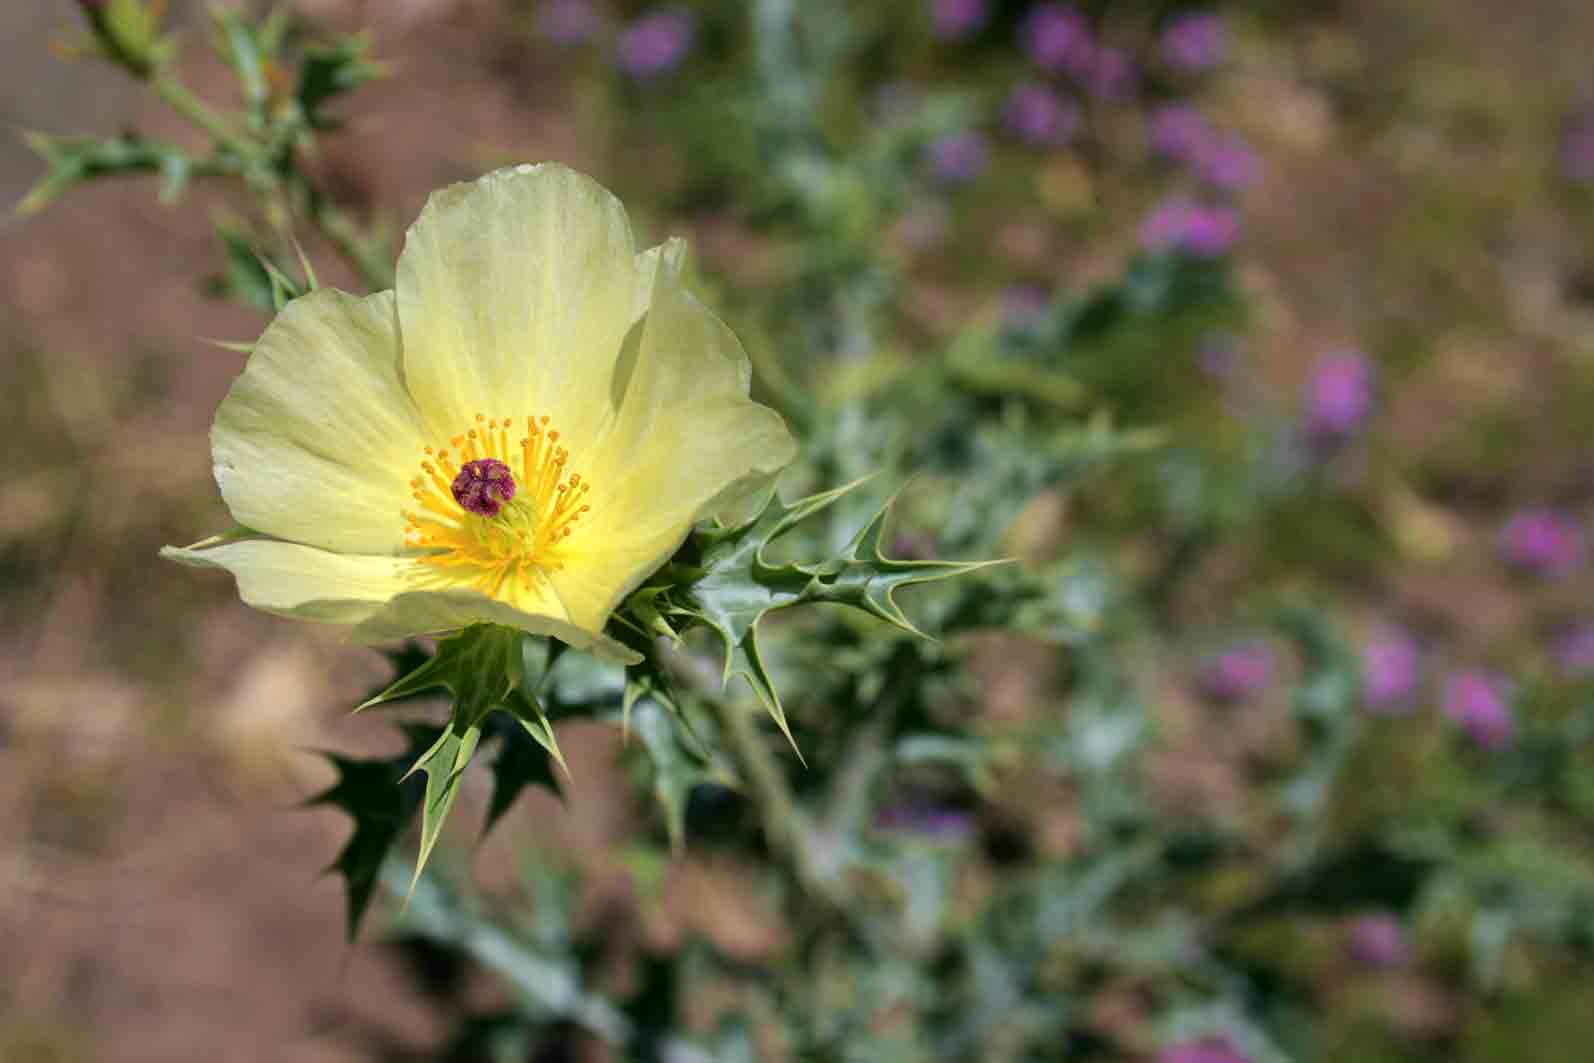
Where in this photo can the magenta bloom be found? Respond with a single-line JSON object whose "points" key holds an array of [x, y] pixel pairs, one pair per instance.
{"points": [[1379, 941], [1339, 396], [1391, 670], [1478, 701], [1574, 652], [1196, 42], [1040, 117], [1227, 162], [959, 158], [568, 22], [1206, 1050], [656, 44], [1111, 74], [956, 19], [1238, 673], [1541, 541], [1196, 229], [1179, 131], [1057, 37]]}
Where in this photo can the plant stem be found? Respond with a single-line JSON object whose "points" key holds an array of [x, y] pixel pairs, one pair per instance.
{"points": [[332, 223], [785, 827], [200, 113]]}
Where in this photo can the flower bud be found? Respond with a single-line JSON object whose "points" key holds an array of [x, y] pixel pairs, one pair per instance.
{"points": [[127, 32]]}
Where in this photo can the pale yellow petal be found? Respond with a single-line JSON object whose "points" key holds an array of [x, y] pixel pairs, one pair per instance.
{"points": [[317, 439], [383, 597], [684, 432], [432, 612], [515, 293], [303, 581], [683, 437]]}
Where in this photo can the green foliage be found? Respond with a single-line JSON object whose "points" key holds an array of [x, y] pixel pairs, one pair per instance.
{"points": [[733, 584], [253, 278], [483, 668], [328, 72], [373, 793], [127, 33], [77, 160], [1031, 835]]}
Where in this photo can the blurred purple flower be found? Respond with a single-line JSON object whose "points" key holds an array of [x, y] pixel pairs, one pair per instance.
{"points": [[1040, 117], [919, 817], [1339, 396], [656, 43], [1206, 1050], [1541, 541], [1179, 131], [568, 22], [1391, 670], [1057, 37], [1195, 42], [956, 19], [1574, 652], [1227, 162], [1379, 941], [913, 546], [1025, 307], [1577, 149], [1197, 229], [959, 158], [1477, 700], [1111, 74], [1237, 673]]}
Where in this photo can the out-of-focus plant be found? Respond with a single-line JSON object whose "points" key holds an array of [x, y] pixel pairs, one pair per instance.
{"points": [[1107, 811]]}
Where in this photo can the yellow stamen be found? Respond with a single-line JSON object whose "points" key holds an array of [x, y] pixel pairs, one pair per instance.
{"points": [[503, 555]]}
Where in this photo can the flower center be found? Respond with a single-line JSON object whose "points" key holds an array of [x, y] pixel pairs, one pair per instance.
{"points": [[483, 486], [494, 513]]}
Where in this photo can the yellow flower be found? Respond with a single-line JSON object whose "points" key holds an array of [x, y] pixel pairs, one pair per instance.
{"points": [[520, 433]]}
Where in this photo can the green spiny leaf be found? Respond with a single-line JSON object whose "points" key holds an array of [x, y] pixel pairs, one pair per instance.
{"points": [[326, 73], [734, 585], [870, 579], [246, 53], [528, 713], [479, 666], [677, 769], [77, 160], [484, 669], [522, 761], [370, 792], [444, 765], [253, 277]]}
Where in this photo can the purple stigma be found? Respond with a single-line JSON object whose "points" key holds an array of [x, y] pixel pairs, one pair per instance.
{"points": [[483, 486]]}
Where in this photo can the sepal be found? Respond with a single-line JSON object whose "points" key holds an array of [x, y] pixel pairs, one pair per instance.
{"points": [[484, 670]]}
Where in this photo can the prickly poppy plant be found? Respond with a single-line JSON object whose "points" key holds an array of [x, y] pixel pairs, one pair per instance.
{"points": [[888, 561], [520, 433]]}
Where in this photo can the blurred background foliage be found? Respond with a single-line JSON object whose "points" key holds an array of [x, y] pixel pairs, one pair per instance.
{"points": [[1259, 334]]}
